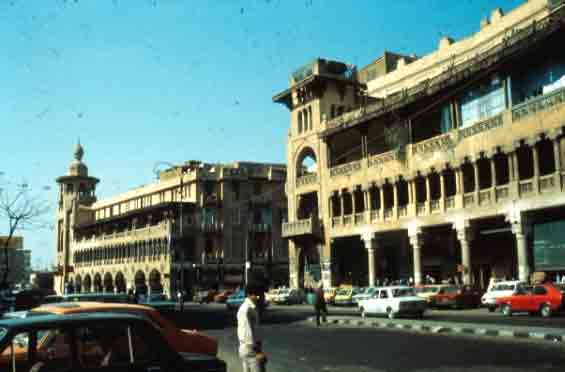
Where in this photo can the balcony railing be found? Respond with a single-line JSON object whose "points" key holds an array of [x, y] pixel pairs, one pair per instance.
{"points": [[336, 221], [501, 192], [374, 215], [347, 220], [388, 213], [308, 226], [438, 143], [359, 218], [494, 122], [450, 202], [150, 232], [526, 187], [308, 179], [420, 209], [546, 183], [469, 199], [484, 197], [377, 161], [345, 169], [434, 205], [402, 211], [538, 104]]}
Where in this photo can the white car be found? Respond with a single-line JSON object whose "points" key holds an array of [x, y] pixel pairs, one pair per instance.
{"points": [[393, 302], [500, 289], [365, 295]]}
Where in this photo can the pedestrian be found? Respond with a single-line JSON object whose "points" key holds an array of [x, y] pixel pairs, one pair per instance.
{"points": [[320, 305], [250, 344], [180, 296]]}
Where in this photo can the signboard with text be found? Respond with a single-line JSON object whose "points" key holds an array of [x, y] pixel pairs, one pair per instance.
{"points": [[549, 246]]}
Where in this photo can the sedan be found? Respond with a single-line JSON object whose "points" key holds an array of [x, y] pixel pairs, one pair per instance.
{"points": [[92, 342]]}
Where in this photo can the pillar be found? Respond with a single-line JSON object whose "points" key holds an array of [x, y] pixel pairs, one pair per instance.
{"points": [[535, 156], [382, 197], [369, 199], [342, 211], [293, 263], [442, 191], [410, 191], [415, 237], [353, 207], [520, 229], [395, 199], [476, 175], [370, 245], [465, 236], [458, 181], [428, 195], [493, 171]]}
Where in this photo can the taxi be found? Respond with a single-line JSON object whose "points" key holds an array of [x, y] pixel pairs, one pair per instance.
{"points": [[329, 295], [181, 340], [344, 295]]}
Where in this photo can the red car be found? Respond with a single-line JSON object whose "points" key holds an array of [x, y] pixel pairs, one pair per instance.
{"points": [[544, 299], [456, 297]]}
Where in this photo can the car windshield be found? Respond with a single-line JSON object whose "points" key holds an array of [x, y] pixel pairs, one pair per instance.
{"points": [[403, 292], [3, 333], [343, 291]]}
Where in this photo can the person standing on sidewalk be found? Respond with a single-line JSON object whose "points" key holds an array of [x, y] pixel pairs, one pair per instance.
{"points": [[320, 305], [250, 345]]}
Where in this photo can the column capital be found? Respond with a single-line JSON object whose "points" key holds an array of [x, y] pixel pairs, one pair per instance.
{"points": [[415, 236], [368, 236], [518, 222]]}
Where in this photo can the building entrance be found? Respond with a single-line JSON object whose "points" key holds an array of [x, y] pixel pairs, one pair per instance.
{"points": [[350, 261]]}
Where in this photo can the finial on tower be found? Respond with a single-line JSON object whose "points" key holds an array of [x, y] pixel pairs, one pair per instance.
{"points": [[79, 151]]}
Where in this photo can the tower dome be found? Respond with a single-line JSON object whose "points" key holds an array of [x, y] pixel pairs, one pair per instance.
{"points": [[77, 167]]}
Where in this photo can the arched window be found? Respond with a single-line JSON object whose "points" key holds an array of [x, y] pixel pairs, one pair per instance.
{"points": [[306, 163], [306, 120], [299, 122], [310, 117]]}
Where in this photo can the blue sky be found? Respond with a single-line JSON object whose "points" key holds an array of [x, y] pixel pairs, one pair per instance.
{"points": [[142, 81]]}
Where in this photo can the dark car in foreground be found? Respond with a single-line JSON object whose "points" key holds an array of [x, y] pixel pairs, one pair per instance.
{"points": [[93, 342]]}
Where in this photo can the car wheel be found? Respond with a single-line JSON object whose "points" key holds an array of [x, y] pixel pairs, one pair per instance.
{"points": [[420, 314], [491, 309], [545, 311], [506, 310], [363, 313], [390, 313]]}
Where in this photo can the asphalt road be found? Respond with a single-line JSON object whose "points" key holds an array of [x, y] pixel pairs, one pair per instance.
{"points": [[215, 316], [303, 347]]}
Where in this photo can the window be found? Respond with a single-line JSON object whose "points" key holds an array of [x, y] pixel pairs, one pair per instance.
{"points": [[103, 346], [383, 294], [483, 101], [540, 290]]}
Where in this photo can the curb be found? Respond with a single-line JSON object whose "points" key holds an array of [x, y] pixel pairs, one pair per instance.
{"points": [[442, 329]]}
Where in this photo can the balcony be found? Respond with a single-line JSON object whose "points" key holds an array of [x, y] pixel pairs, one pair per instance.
{"points": [[345, 169], [260, 227], [501, 192], [540, 103], [484, 197], [359, 218], [309, 179], [435, 206], [526, 187], [547, 183], [301, 228], [147, 233]]}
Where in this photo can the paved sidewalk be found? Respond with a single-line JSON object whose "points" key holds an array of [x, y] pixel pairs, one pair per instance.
{"points": [[444, 327]]}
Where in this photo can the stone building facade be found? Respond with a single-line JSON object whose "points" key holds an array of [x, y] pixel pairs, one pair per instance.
{"points": [[447, 166], [19, 260], [197, 225]]}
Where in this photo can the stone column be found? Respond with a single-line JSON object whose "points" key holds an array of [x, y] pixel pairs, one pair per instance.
{"points": [[477, 183], [428, 195], [368, 203], [353, 209], [371, 246], [410, 191], [415, 237], [511, 174], [395, 200], [465, 236], [557, 158], [382, 197], [442, 191], [520, 229], [293, 263], [342, 211]]}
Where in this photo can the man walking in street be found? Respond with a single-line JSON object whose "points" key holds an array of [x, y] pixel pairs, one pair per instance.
{"points": [[320, 305], [250, 346]]}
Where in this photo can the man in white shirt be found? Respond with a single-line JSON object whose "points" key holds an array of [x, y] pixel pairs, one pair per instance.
{"points": [[250, 352]]}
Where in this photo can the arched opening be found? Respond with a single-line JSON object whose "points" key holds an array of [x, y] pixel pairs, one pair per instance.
{"points": [[402, 187], [375, 198], [87, 283], [155, 281], [525, 162], [449, 182], [299, 122], [78, 283], [108, 283], [309, 265], [336, 205], [140, 285], [485, 173], [307, 163], [121, 285], [97, 283], [435, 186], [468, 177], [359, 200], [420, 186], [501, 169]]}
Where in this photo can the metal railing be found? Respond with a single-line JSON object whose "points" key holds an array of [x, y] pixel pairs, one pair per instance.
{"points": [[345, 169], [525, 187], [307, 179], [546, 183]]}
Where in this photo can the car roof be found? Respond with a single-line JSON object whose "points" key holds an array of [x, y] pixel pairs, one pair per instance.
{"points": [[82, 307], [50, 320]]}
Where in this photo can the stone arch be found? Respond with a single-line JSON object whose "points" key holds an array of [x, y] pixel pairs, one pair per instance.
{"points": [[78, 283], [108, 282], [140, 283], [120, 280], [306, 162], [87, 283], [97, 283], [155, 281]]}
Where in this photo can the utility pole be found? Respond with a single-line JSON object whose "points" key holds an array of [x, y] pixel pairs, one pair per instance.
{"points": [[247, 238]]}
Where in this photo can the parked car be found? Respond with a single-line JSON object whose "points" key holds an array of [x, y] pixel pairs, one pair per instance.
{"points": [[344, 295], [182, 340], [365, 294], [223, 296], [429, 290], [205, 296], [86, 342], [498, 290], [329, 295], [235, 300], [289, 296], [544, 299], [272, 294], [394, 301], [457, 297]]}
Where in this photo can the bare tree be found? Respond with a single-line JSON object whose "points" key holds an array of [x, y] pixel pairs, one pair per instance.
{"points": [[23, 210]]}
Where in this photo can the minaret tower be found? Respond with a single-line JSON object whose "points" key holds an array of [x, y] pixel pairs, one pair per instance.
{"points": [[75, 189]]}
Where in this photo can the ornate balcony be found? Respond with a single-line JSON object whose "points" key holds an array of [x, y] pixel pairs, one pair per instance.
{"points": [[306, 227], [484, 197], [540, 103], [345, 169], [526, 187], [501, 192], [308, 179], [546, 183], [359, 218]]}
